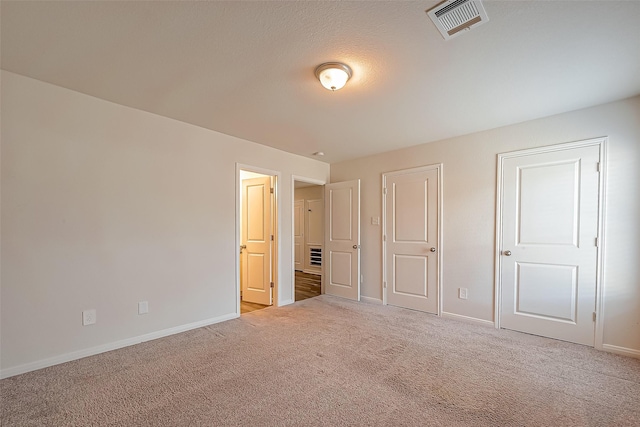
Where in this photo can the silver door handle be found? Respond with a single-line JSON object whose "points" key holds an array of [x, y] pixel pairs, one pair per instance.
{"points": [[507, 253], [432, 249], [356, 246]]}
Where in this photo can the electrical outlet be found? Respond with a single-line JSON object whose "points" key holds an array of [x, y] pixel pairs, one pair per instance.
{"points": [[143, 307], [462, 293], [375, 220], [89, 317]]}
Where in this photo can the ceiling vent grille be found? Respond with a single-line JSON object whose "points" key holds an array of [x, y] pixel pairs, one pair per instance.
{"points": [[454, 16]]}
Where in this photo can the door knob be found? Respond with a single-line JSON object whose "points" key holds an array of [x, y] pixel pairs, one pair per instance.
{"points": [[507, 253], [432, 249], [356, 246]]}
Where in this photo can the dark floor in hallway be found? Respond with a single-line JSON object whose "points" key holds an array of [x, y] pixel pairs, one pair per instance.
{"points": [[307, 285]]}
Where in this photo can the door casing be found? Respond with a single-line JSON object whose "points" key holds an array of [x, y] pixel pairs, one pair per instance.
{"points": [[601, 142], [439, 167]]}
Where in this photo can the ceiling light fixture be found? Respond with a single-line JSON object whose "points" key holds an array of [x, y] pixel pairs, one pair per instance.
{"points": [[333, 75]]}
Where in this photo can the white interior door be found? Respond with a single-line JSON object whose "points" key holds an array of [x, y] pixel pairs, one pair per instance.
{"points": [[342, 238], [256, 275], [550, 209], [411, 238], [298, 234]]}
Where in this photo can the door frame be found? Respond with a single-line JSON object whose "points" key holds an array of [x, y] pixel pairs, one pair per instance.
{"points": [[307, 180], [601, 143], [276, 232], [439, 168]]}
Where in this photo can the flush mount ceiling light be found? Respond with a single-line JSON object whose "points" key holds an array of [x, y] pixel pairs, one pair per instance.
{"points": [[333, 75]]}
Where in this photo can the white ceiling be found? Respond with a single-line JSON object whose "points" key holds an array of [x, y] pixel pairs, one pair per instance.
{"points": [[246, 68]]}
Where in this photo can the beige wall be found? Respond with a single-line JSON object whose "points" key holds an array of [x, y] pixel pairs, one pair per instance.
{"points": [[313, 222], [310, 192], [469, 209], [104, 206]]}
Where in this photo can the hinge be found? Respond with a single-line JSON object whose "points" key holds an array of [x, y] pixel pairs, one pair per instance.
{"points": [[384, 284], [597, 242], [272, 284], [594, 316], [271, 190], [272, 237], [384, 190], [384, 237], [598, 166]]}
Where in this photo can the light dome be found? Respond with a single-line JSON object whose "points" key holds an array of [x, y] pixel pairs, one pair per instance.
{"points": [[333, 75]]}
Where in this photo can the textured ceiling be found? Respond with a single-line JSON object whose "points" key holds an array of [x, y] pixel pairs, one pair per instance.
{"points": [[246, 68]]}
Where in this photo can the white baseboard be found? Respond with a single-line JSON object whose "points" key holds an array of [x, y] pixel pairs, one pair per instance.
{"points": [[68, 357], [370, 300], [467, 319], [624, 351], [287, 302]]}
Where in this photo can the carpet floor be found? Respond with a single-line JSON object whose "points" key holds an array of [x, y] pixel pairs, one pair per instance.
{"points": [[328, 361]]}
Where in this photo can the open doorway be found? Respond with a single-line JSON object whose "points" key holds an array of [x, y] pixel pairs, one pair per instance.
{"points": [[257, 230], [308, 238]]}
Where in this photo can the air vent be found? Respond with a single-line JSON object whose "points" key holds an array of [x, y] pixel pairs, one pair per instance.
{"points": [[315, 257], [454, 16]]}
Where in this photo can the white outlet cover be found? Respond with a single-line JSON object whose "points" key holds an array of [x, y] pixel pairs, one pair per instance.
{"points": [[89, 317], [143, 307], [463, 293]]}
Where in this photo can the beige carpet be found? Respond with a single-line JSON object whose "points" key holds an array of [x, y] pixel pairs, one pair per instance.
{"points": [[327, 361]]}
